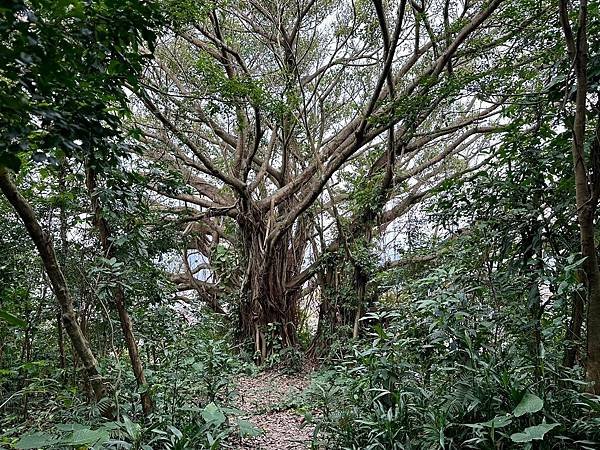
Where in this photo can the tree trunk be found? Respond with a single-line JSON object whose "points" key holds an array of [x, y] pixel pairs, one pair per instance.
{"points": [[591, 265], [64, 253], [574, 336], [335, 312], [45, 248], [587, 185], [269, 310], [531, 242], [592, 273], [327, 281], [61, 344], [119, 294], [361, 279]]}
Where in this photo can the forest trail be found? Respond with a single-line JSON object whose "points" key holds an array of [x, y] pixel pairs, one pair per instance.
{"points": [[268, 400]]}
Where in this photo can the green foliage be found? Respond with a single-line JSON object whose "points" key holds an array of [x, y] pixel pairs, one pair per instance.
{"points": [[63, 68], [392, 393], [12, 320], [184, 12], [530, 403], [451, 359], [536, 432], [465, 351], [212, 428], [192, 391], [35, 440]]}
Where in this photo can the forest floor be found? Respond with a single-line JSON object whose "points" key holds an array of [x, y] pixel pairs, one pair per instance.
{"points": [[269, 400]]}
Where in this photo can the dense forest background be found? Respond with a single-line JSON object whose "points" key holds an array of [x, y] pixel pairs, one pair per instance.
{"points": [[390, 206]]}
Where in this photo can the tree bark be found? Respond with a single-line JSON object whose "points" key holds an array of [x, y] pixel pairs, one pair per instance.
{"points": [[269, 310], [587, 184], [45, 248], [104, 232], [64, 243], [337, 315], [61, 343]]}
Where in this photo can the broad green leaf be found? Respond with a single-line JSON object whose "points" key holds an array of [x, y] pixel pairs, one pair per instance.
{"points": [[535, 433], [133, 429], [530, 403], [213, 415], [35, 440], [175, 431], [89, 437], [190, 409], [248, 429], [520, 437], [70, 427], [12, 319], [498, 422]]}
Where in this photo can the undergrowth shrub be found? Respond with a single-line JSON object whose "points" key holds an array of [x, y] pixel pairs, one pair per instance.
{"points": [[190, 372], [399, 390]]}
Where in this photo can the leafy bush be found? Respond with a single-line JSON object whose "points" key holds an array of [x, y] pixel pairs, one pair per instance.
{"points": [[191, 385], [399, 390], [206, 428]]}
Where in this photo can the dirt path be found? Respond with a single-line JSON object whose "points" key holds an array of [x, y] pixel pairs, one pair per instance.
{"points": [[267, 398]]}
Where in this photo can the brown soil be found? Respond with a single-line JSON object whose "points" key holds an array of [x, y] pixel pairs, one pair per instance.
{"points": [[266, 399]]}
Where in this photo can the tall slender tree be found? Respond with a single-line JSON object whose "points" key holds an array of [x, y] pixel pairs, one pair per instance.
{"points": [[586, 166]]}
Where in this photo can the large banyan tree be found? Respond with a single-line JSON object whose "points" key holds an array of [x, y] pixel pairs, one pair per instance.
{"points": [[257, 108]]}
